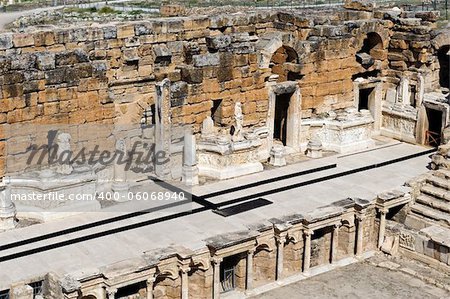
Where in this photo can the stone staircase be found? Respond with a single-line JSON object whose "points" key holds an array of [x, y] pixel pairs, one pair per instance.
{"points": [[432, 200]]}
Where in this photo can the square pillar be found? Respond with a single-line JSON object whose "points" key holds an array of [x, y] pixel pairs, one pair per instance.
{"points": [[111, 293], [382, 228], [184, 270], [215, 261], [150, 283], [359, 234], [249, 277], [307, 250], [334, 243], [280, 255]]}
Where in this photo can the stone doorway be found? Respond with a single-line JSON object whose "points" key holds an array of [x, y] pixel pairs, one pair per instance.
{"points": [[281, 117], [434, 130], [284, 115], [368, 96]]}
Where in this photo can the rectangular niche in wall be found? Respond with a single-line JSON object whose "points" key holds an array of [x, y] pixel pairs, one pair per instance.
{"points": [[365, 97], [216, 112]]}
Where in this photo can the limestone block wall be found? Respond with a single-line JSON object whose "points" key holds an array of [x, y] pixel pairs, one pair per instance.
{"points": [[107, 73], [293, 257], [264, 266], [201, 283], [167, 288]]}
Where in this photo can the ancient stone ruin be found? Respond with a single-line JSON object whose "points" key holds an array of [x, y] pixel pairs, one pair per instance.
{"points": [[232, 102]]}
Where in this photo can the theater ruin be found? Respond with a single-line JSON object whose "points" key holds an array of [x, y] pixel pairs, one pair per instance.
{"points": [[291, 141]]}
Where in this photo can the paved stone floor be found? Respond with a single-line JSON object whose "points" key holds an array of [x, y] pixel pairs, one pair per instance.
{"points": [[191, 230], [362, 280]]}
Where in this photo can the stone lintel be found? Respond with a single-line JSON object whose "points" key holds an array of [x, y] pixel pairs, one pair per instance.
{"points": [[227, 240]]}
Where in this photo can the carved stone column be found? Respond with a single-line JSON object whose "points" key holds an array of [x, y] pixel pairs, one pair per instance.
{"points": [[150, 283], [307, 250], [280, 255], [382, 229], [163, 127], [249, 280], [120, 184], [216, 276], [334, 243], [111, 293], [184, 270], [190, 169], [359, 234]]}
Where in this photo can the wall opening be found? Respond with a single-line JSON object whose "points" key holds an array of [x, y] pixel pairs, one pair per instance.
{"points": [[38, 288], [364, 95], [371, 43], [228, 273], [444, 63], [434, 130], [216, 112], [371, 50], [4, 294], [412, 95], [136, 289], [284, 64], [281, 117]]}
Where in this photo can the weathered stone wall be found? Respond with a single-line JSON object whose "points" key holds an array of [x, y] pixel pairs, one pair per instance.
{"points": [[264, 266], [167, 288], [293, 258], [107, 73], [201, 283]]}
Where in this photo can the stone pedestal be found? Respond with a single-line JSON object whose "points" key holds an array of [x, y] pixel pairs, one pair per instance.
{"points": [[190, 171], [121, 188], [7, 211], [314, 148], [190, 175], [277, 156]]}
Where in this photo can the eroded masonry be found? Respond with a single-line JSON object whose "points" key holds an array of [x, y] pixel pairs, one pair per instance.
{"points": [[226, 96]]}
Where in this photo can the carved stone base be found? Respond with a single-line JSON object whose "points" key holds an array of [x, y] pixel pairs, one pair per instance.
{"points": [[121, 188], [277, 156], [314, 149], [190, 175], [7, 212]]}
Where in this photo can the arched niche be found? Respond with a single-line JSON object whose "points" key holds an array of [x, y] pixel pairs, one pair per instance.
{"points": [[284, 63], [370, 49]]}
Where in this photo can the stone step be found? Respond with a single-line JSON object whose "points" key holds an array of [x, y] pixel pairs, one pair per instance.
{"points": [[436, 192], [441, 182], [432, 214], [442, 173], [433, 203]]}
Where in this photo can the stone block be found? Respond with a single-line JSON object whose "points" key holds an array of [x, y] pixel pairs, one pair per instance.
{"points": [[23, 40], [210, 59], [14, 77], [45, 38], [22, 292], [218, 42], [110, 32], [45, 61], [5, 65], [179, 92], [143, 29], [191, 75], [71, 57], [161, 51], [125, 31], [6, 41], [361, 5]]}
